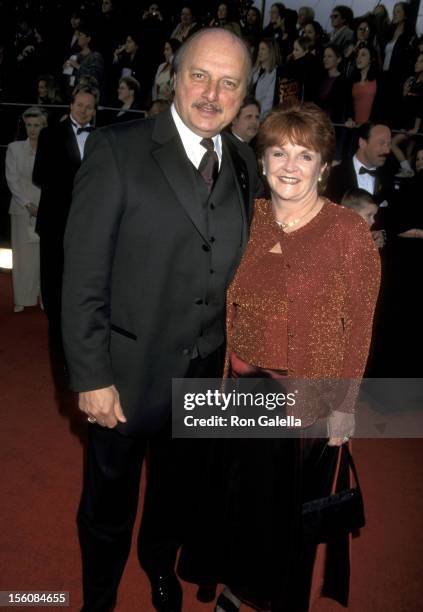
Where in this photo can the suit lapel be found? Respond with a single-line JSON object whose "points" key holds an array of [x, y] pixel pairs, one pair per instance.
{"points": [[177, 170], [351, 178], [71, 144]]}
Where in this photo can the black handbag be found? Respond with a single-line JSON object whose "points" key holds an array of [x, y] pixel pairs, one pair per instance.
{"points": [[340, 513]]}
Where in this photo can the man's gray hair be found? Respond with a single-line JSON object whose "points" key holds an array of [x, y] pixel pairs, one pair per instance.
{"points": [[181, 52]]}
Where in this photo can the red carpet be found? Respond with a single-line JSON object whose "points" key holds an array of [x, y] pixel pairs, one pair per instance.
{"points": [[41, 459]]}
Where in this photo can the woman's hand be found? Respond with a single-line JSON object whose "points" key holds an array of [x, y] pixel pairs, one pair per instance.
{"points": [[341, 427], [337, 441], [350, 123], [32, 209]]}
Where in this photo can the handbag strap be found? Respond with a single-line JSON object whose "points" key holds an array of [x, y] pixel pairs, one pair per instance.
{"points": [[345, 449], [352, 465]]}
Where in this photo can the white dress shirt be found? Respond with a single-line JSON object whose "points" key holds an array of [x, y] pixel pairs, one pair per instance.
{"points": [[364, 181], [191, 141], [81, 138]]}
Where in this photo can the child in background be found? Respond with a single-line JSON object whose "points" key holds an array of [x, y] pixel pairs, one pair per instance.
{"points": [[364, 204]]}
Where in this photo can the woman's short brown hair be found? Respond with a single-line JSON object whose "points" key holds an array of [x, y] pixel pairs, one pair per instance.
{"points": [[300, 123]]}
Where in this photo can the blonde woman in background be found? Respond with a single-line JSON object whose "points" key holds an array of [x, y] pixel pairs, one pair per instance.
{"points": [[23, 209], [264, 74]]}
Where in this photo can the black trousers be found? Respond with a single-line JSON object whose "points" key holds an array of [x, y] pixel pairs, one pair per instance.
{"points": [[110, 499], [51, 273]]}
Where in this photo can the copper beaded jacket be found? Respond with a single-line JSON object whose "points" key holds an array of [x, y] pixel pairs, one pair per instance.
{"points": [[309, 309]]}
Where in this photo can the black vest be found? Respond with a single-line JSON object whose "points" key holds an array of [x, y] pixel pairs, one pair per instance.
{"points": [[223, 217]]}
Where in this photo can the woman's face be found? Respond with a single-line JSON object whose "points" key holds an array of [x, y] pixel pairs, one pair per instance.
{"points": [[42, 89], [310, 32], [167, 52], [222, 11], [186, 16], [252, 17], [363, 32], [124, 93], [419, 161], [292, 171], [263, 53], [33, 126], [419, 64], [275, 17], [398, 14], [330, 60], [297, 50], [107, 6], [130, 45], [75, 22], [363, 60]]}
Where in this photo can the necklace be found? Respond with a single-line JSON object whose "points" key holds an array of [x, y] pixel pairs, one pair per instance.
{"points": [[285, 224]]}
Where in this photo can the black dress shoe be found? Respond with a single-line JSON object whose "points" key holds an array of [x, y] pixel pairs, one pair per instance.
{"points": [[206, 593], [166, 593]]}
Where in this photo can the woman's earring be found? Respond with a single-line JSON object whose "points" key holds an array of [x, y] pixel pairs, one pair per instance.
{"points": [[319, 180], [264, 171]]}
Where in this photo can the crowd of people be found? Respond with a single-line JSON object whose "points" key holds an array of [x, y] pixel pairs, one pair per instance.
{"points": [[364, 67], [143, 228]]}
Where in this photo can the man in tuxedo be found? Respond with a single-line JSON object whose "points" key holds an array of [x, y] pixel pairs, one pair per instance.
{"points": [[59, 154], [246, 124], [157, 227], [366, 170]]}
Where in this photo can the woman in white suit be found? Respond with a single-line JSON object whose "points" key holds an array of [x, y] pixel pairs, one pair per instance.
{"points": [[20, 158]]}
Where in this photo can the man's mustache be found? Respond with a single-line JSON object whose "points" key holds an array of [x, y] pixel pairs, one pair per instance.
{"points": [[209, 106]]}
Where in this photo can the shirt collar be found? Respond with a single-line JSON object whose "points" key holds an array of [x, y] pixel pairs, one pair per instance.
{"points": [[237, 135], [190, 139], [77, 125], [358, 164]]}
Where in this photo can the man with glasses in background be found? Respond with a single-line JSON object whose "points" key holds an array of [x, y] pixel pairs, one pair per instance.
{"points": [[342, 35]]}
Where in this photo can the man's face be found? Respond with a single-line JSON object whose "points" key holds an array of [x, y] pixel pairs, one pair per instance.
{"points": [[246, 125], [83, 108], [302, 17], [374, 151], [211, 83], [336, 20]]}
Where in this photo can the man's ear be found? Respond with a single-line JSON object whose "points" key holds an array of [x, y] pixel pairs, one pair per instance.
{"points": [[362, 143]]}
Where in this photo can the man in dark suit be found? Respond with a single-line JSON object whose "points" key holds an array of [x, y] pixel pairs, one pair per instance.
{"points": [[59, 154], [246, 124], [157, 227], [366, 169]]}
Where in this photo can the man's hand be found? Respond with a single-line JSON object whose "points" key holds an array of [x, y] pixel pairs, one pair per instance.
{"points": [[103, 405]]}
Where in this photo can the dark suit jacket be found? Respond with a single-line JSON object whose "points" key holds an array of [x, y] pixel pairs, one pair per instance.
{"points": [[56, 162], [136, 259]]}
